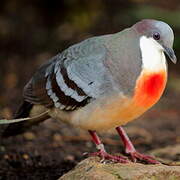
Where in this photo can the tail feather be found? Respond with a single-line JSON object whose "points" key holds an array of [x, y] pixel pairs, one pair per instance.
{"points": [[15, 129], [20, 127]]}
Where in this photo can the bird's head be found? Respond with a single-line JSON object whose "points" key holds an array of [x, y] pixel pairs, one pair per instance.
{"points": [[160, 33]]}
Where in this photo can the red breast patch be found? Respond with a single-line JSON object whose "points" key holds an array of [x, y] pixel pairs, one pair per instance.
{"points": [[149, 88]]}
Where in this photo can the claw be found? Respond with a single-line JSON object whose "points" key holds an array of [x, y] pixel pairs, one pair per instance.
{"points": [[138, 156], [105, 156], [129, 149], [85, 154]]}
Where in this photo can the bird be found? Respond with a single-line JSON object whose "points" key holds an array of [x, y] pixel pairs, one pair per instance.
{"points": [[101, 83]]}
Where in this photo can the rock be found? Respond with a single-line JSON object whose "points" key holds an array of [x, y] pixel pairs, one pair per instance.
{"points": [[92, 169]]}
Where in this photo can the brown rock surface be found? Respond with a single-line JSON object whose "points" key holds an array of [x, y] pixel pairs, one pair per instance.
{"points": [[92, 169]]}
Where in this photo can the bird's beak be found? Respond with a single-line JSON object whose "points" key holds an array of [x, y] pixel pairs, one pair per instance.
{"points": [[170, 53]]}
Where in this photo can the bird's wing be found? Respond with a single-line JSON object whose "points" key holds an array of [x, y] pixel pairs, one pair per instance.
{"points": [[71, 78]]}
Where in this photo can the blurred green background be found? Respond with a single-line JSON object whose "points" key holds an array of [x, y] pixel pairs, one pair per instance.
{"points": [[33, 31]]}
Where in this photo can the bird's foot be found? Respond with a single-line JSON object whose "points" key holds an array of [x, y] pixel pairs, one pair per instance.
{"points": [[106, 156], [131, 151], [146, 158]]}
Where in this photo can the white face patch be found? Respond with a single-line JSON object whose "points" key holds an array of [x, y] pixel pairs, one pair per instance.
{"points": [[153, 58]]}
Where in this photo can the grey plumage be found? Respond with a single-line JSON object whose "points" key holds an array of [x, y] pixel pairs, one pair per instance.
{"points": [[95, 66]]}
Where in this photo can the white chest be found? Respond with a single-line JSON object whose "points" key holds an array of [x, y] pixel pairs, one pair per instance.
{"points": [[153, 58]]}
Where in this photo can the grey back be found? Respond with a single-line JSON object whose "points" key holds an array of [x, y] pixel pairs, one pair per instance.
{"points": [[87, 71]]}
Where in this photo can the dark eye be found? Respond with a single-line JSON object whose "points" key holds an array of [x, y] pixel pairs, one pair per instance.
{"points": [[156, 36]]}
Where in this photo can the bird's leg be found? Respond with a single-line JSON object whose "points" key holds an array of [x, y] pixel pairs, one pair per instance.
{"points": [[129, 148], [102, 152]]}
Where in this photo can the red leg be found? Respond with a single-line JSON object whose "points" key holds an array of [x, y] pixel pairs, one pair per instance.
{"points": [[102, 152], [129, 148]]}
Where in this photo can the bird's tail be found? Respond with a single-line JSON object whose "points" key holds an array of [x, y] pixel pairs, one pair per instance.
{"points": [[21, 121]]}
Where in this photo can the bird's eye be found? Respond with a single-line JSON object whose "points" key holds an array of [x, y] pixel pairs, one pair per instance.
{"points": [[156, 36]]}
